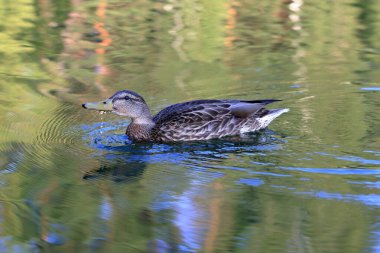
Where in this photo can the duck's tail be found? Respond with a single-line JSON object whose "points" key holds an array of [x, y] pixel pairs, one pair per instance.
{"points": [[271, 114]]}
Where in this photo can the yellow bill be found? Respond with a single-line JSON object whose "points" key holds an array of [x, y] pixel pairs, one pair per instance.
{"points": [[105, 105]]}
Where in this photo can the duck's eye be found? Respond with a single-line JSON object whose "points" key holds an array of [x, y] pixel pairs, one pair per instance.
{"points": [[127, 98]]}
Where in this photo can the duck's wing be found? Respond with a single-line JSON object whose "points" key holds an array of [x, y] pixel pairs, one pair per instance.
{"points": [[246, 108], [180, 108], [213, 108]]}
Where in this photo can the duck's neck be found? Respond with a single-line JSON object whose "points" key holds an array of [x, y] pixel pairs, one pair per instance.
{"points": [[140, 129]]}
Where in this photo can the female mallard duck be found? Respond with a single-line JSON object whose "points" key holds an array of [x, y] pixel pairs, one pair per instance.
{"points": [[189, 121]]}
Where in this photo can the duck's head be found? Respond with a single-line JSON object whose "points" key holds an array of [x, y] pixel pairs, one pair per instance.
{"points": [[125, 103]]}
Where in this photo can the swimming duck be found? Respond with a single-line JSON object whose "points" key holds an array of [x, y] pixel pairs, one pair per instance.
{"points": [[189, 121]]}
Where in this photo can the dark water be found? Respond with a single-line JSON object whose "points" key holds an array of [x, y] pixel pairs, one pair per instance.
{"points": [[71, 181]]}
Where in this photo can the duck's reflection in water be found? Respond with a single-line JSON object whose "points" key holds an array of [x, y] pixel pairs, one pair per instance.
{"points": [[118, 172], [182, 208]]}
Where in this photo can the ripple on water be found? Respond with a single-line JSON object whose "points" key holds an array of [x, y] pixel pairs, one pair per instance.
{"points": [[335, 171], [44, 146], [103, 136], [352, 158], [60, 127]]}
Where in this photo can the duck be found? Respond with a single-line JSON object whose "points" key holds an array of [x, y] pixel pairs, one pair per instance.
{"points": [[194, 120]]}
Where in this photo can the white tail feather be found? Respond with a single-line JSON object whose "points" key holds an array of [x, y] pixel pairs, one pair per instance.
{"points": [[273, 113]]}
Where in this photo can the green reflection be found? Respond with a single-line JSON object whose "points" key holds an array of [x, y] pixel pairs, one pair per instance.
{"points": [[71, 182]]}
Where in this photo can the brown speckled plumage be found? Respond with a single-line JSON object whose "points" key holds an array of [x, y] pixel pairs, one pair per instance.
{"points": [[194, 120], [139, 132]]}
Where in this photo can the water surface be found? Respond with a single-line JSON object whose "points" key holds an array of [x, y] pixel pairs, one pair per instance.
{"points": [[71, 181]]}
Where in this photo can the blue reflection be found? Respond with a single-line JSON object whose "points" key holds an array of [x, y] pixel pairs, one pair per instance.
{"points": [[358, 160], [106, 209], [371, 88], [335, 171], [376, 238], [251, 181], [190, 215], [351, 158]]}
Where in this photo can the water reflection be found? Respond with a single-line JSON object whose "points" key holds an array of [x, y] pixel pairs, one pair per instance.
{"points": [[126, 170], [197, 219], [72, 181]]}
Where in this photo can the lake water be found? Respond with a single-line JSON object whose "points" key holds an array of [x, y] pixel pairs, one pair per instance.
{"points": [[71, 181]]}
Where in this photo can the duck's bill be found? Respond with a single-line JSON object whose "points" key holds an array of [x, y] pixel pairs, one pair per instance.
{"points": [[105, 105]]}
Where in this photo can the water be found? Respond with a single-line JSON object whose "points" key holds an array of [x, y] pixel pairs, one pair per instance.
{"points": [[71, 181]]}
